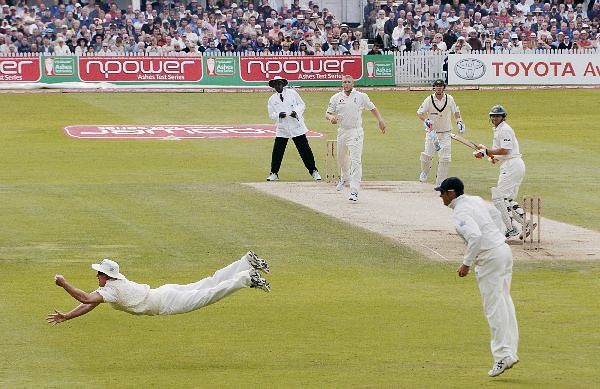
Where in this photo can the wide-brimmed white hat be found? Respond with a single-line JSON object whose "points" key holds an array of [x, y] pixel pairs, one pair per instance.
{"points": [[109, 267]]}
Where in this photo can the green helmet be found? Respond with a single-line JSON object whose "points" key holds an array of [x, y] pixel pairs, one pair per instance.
{"points": [[439, 82], [498, 110]]}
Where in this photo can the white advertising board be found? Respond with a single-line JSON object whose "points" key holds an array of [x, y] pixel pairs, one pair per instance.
{"points": [[524, 69]]}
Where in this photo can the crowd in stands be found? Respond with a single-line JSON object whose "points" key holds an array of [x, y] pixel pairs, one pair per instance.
{"points": [[488, 25], [173, 27]]}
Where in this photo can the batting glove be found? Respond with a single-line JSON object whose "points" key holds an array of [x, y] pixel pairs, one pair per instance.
{"points": [[428, 125], [461, 126]]}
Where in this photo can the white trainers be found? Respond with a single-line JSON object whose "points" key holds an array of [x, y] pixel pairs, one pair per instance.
{"points": [[273, 177], [511, 233], [256, 281], [502, 365], [353, 196], [316, 176], [423, 177], [256, 262], [340, 185]]}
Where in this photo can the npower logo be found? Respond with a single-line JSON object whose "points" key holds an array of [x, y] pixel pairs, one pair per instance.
{"points": [[20, 69], [143, 69], [300, 68], [469, 69]]}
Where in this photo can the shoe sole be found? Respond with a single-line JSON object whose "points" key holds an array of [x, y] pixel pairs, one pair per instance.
{"points": [[256, 263]]}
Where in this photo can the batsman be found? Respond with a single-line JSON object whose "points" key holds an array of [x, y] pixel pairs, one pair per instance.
{"points": [[436, 112], [505, 151]]}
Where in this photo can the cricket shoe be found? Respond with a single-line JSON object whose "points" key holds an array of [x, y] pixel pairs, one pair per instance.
{"points": [[423, 177], [273, 177], [315, 175], [340, 185], [511, 233], [256, 262], [256, 281], [353, 196], [528, 230], [502, 365]]}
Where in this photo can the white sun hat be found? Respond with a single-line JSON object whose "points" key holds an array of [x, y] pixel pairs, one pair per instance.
{"points": [[110, 268]]}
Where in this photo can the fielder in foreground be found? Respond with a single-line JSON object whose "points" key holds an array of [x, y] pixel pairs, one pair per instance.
{"points": [[436, 112], [345, 109], [170, 299], [479, 224], [505, 150]]}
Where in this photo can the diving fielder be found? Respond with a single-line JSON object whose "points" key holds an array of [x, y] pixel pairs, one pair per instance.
{"points": [[479, 224], [169, 299], [435, 112], [345, 109], [505, 150]]}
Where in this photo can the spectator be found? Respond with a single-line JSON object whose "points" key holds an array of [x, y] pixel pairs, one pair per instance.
{"points": [[104, 49], [60, 48], [336, 49], [81, 48], [473, 40], [375, 50], [378, 27], [212, 49]]}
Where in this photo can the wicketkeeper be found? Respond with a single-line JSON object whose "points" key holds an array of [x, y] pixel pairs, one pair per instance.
{"points": [[436, 112]]}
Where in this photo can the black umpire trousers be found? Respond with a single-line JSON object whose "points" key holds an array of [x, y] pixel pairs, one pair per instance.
{"points": [[304, 150]]}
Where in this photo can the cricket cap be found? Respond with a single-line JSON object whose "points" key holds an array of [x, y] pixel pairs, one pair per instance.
{"points": [[451, 184]]}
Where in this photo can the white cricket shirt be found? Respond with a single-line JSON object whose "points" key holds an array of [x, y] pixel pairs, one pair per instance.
{"points": [[349, 110], [440, 112], [288, 127], [131, 297], [504, 137], [478, 223]]}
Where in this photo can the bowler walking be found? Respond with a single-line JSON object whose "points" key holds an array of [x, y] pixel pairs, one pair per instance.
{"points": [[345, 109]]}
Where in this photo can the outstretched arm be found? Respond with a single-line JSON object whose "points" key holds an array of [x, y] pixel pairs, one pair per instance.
{"points": [[58, 317], [78, 294], [377, 115]]}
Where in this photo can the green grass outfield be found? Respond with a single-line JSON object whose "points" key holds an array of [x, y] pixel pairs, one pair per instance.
{"points": [[349, 308]]}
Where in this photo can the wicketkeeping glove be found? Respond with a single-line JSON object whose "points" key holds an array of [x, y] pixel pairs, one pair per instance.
{"points": [[461, 126]]}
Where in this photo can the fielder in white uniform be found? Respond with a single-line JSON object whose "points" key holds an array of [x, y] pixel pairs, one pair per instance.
{"points": [[345, 109], [505, 151], [170, 299], [436, 112], [480, 226]]}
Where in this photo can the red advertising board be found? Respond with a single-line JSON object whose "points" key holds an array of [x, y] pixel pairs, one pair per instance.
{"points": [[142, 69], [300, 68], [21, 69]]}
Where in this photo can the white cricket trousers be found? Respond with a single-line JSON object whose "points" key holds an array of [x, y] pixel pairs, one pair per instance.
{"points": [[349, 154], [494, 276], [511, 175], [175, 299]]}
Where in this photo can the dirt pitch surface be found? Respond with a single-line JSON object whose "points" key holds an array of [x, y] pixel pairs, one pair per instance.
{"points": [[413, 214]]}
